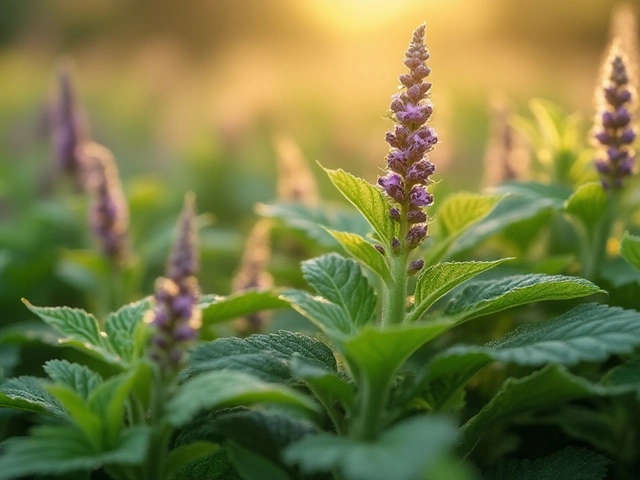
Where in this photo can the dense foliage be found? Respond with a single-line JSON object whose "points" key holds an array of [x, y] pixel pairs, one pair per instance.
{"points": [[476, 336]]}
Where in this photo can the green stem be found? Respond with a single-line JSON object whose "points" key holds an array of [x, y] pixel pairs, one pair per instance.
{"points": [[162, 434], [395, 293], [595, 245], [373, 399]]}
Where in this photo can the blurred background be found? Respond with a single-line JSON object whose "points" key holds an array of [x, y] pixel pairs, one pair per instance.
{"points": [[190, 95]]}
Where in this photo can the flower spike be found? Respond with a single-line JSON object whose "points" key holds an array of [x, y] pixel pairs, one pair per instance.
{"points": [[409, 168]]}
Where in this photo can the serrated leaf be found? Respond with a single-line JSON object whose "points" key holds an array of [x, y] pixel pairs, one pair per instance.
{"points": [[458, 212], [240, 304], [264, 356], [491, 296], [630, 250], [266, 432], [214, 467], [78, 377], [368, 200], [363, 251], [406, 451], [78, 328], [569, 464], [327, 316], [121, 328], [340, 281], [441, 278], [456, 216], [587, 333], [28, 393], [55, 450], [544, 388], [588, 204], [221, 389]]}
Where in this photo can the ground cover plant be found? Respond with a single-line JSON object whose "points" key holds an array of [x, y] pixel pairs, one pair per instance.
{"points": [[388, 380]]}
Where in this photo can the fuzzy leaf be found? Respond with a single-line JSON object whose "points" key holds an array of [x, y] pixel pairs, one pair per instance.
{"points": [[587, 333], [78, 328], [569, 464], [341, 282], [491, 296], [216, 466], [441, 278], [56, 450], [264, 356], [327, 316], [222, 389], [240, 304], [630, 250], [368, 199], [78, 377], [588, 204], [263, 431], [544, 388], [363, 251], [28, 393], [121, 328], [325, 384], [406, 451]]}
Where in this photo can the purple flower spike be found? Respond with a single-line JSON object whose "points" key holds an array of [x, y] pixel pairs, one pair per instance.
{"points": [[409, 169], [69, 128], [109, 212], [177, 317], [614, 131]]}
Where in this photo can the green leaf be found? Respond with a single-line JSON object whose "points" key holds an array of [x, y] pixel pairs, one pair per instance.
{"points": [[78, 328], [406, 451], [440, 279], [253, 466], [56, 450], [214, 467], [630, 250], [313, 221], [121, 329], [587, 333], [588, 204], [185, 454], [627, 374], [363, 251], [457, 215], [263, 431], [368, 199], [28, 393], [327, 316], [379, 353], [79, 378], [491, 296], [240, 304], [86, 420], [264, 356], [547, 387], [340, 281], [325, 384], [221, 389], [569, 464], [458, 212]]}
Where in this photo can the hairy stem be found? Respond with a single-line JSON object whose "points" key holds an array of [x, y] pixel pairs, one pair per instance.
{"points": [[395, 295]]}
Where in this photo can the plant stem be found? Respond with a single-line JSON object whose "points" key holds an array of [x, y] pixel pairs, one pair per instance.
{"points": [[162, 431], [373, 398], [595, 246], [395, 294]]}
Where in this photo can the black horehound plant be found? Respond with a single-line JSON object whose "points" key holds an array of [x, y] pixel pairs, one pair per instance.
{"points": [[353, 403]]}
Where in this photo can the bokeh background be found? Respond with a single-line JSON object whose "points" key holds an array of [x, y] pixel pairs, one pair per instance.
{"points": [[189, 95]]}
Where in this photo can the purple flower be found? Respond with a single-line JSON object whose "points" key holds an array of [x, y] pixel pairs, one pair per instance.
{"points": [[108, 212], [176, 317], [69, 129], [614, 132], [408, 166]]}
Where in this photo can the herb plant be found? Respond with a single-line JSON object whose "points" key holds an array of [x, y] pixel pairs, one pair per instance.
{"points": [[380, 392]]}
